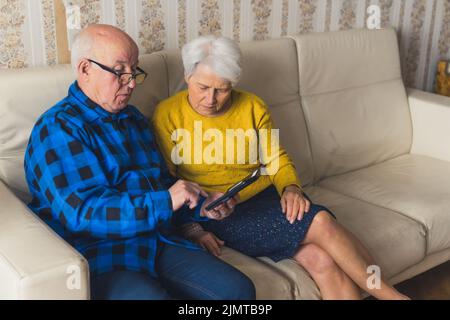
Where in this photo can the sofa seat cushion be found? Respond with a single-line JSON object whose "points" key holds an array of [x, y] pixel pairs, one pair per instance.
{"points": [[283, 280], [303, 286], [415, 186], [395, 241], [269, 283]]}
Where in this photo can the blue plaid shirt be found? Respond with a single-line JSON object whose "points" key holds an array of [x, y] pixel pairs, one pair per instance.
{"points": [[99, 181]]}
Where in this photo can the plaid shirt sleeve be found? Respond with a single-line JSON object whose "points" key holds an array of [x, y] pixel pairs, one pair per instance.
{"points": [[70, 175]]}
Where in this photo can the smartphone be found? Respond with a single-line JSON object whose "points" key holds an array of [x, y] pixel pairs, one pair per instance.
{"points": [[234, 189]]}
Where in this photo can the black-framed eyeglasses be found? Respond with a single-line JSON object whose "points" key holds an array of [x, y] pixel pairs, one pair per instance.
{"points": [[124, 77]]}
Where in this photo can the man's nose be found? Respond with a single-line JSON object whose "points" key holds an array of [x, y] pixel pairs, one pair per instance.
{"points": [[132, 83]]}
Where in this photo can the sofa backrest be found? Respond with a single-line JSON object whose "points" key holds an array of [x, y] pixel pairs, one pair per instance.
{"points": [[269, 70], [353, 99]]}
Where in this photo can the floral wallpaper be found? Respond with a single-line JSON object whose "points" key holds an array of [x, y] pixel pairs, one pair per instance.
{"points": [[181, 22], [348, 15], [307, 10], [210, 21], [262, 11], [119, 8], [153, 30], [48, 17], [12, 51], [28, 35]]}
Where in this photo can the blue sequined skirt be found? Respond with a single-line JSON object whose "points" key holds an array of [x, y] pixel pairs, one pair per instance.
{"points": [[258, 227]]}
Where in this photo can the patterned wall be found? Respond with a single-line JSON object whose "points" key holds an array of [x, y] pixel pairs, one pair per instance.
{"points": [[27, 27]]}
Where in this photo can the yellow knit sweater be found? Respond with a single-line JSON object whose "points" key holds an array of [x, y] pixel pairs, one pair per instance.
{"points": [[206, 150]]}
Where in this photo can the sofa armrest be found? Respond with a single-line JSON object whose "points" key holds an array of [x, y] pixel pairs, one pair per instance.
{"points": [[430, 120], [35, 263]]}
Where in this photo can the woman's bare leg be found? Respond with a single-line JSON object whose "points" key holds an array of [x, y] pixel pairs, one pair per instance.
{"points": [[348, 252], [333, 283]]}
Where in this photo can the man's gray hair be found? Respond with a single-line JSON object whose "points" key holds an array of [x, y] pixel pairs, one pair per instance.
{"points": [[81, 48], [221, 54]]}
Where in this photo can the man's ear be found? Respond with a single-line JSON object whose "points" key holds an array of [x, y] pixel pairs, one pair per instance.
{"points": [[83, 68]]}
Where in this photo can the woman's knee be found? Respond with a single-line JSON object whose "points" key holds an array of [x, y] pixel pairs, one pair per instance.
{"points": [[323, 225], [315, 260]]}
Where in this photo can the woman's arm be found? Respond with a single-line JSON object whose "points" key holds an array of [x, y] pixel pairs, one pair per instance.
{"points": [[207, 240], [163, 135], [274, 157]]}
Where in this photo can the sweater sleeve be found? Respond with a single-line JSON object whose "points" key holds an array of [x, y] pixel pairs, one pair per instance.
{"points": [[279, 166], [163, 134]]}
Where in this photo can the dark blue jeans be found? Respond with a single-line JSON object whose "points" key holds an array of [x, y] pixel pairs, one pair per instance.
{"points": [[182, 274]]}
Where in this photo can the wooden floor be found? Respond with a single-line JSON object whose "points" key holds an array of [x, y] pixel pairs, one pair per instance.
{"points": [[431, 285]]}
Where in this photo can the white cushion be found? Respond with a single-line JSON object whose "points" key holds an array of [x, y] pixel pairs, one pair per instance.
{"points": [[414, 186], [27, 94], [353, 98], [394, 240]]}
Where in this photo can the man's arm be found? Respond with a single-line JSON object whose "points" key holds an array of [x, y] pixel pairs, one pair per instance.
{"points": [[71, 177]]}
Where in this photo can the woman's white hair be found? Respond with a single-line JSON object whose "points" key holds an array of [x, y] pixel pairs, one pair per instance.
{"points": [[221, 54]]}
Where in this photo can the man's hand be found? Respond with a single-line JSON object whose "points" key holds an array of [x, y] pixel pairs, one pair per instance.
{"points": [[185, 192], [221, 211], [293, 204], [209, 241]]}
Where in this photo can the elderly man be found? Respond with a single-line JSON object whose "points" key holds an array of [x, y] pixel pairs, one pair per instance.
{"points": [[98, 180]]}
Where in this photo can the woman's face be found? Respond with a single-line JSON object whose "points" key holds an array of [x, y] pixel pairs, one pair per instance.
{"points": [[209, 95]]}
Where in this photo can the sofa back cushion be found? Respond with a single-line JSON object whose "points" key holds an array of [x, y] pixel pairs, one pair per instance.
{"points": [[269, 70], [353, 99], [25, 94]]}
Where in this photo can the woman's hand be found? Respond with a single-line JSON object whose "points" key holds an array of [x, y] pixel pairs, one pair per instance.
{"points": [[221, 211], [209, 241], [293, 204]]}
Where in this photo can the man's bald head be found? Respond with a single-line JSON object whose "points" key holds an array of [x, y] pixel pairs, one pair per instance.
{"points": [[96, 40], [101, 54]]}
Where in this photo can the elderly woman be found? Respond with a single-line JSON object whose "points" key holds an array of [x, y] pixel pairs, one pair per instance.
{"points": [[273, 217]]}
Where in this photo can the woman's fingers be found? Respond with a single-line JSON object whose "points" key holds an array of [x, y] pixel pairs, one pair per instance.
{"points": [[301, 210], [295, 210], [213, 244], [216, 214], [289, 206], [231, 203], [213, 248], [219, 241], [308, 204], [222, 210], [283, 204]]}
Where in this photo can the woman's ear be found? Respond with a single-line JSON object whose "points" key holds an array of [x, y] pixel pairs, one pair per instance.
{"points": [[186, 78]]}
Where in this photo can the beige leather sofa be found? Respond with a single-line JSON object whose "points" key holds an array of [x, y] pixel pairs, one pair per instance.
{"points": [[375, 153]]}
